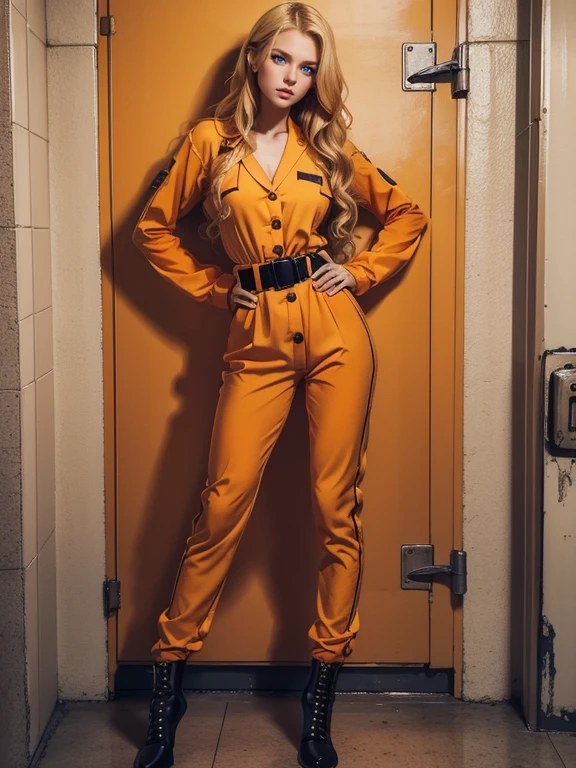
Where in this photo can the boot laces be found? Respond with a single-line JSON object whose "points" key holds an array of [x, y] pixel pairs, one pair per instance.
{"points": [[323, 695], [162, 692]]}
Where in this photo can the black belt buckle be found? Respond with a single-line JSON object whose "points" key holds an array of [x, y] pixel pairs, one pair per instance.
{"points": [[283, 273]]}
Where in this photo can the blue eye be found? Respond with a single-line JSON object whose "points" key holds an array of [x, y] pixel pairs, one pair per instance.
{"points": [[278, 56]]}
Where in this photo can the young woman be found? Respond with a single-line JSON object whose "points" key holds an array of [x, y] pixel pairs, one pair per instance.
{"points": [[280, 184]]}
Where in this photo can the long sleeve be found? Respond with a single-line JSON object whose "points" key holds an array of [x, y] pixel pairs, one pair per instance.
{"points": [[181, 189], [402, 220]]}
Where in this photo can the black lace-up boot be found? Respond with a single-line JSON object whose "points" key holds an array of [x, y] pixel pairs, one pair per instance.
{"points": [[316, 749], [167, 708]]}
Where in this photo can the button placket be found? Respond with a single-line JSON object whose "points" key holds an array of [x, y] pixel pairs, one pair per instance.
{"points": [[275, 210], [295, 331]]}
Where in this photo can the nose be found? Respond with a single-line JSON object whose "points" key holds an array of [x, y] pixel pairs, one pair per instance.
{"points": [[290, 78]]}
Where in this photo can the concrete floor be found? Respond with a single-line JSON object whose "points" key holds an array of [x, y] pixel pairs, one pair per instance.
{"points": [[262, 731]]}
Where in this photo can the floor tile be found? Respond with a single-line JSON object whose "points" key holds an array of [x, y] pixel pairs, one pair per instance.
{"points": [[108, 735], [262, 731], [471, 735], [565, 744]]}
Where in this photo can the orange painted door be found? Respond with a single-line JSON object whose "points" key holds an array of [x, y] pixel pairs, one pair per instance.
{"points": [[168, 64]]}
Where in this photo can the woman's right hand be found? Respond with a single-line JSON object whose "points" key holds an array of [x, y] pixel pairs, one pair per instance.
{"points": [[239, 297]]}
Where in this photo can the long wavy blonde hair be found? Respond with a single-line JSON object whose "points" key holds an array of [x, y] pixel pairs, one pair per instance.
{"points": [[321, 114]]}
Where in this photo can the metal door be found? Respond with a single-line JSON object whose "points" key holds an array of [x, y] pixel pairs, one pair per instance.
{"points": [[165, 64]]}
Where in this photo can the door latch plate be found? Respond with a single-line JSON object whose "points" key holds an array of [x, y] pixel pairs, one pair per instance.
{"points": [[416, 556], [417, 56], [418, 568]]}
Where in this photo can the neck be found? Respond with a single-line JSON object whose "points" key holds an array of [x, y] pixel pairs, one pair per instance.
{"points": [[271, 119]]}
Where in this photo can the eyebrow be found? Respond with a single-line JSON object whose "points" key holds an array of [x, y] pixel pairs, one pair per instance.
{"points": [[287, 55]]}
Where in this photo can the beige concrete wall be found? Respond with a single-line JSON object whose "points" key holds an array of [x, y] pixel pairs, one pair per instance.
{"points": [[559, 172], [77, 349], [490, 178]]}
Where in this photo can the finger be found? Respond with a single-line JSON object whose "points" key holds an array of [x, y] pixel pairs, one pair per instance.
{"points": [[320, 272], [335, 288], [244, 303], [328, 281], [323, 274], [246, 295]]}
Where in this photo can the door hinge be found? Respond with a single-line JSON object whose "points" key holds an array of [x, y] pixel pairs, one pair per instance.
{"points": [[418, 568], [111, 597], [455, 71], [107, 25]]}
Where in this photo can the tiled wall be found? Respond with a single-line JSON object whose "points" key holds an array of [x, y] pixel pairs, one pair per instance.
{"points": [[27, 375]]}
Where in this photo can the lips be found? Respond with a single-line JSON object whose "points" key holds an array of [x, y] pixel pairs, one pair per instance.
{"points": [[286, 91]]}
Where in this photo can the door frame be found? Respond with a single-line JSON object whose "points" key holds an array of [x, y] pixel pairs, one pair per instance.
{"points": [[447, 333]]}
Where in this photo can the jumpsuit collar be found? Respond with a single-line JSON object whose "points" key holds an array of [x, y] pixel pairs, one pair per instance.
{"points": [[294, 149]]}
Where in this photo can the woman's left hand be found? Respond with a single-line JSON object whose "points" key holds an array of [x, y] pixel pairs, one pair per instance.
{"points": [[332, 277]]}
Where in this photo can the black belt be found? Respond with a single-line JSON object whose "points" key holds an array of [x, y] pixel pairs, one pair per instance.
{"points": [[280, 273]]}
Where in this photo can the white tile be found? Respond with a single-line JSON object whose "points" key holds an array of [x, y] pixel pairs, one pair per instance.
{"points": [[19, 69], [39, 181], [45, 457], [37, 87], [43, 342], [26, 343], [21, 149], [20, 5], [36, 10], [29, 480], [42, 269], [48, 658], [25, 272], [32, 651]]}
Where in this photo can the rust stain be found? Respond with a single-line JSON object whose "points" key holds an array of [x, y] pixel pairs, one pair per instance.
{"points": [[565, 479], [548, 669]]}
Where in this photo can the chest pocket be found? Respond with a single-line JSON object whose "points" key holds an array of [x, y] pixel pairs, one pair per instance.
{"points": [[313, 188], [306, 180], [230, 183]]}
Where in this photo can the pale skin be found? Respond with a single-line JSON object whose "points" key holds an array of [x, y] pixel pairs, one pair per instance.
{"points": [[291, 64]]}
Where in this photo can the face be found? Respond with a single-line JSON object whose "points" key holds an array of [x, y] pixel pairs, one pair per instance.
{"points": [[291, 65]]}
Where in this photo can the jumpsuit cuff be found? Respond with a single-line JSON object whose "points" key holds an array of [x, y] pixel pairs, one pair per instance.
{"points": [[363, 283], [221, 289]]}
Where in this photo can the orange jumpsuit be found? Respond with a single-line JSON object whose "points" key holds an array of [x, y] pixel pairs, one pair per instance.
{"points": [[292, 334]]}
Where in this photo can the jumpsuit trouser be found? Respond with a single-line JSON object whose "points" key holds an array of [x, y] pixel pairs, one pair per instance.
{"points": [[267, 359]]}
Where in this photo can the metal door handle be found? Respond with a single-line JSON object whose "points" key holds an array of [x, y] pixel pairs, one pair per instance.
{"points": [[455, 71], [412, 554]]}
